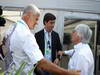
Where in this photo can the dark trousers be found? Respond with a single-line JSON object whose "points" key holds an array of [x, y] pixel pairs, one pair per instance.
{"points": [[47, 73], [38, 71], [41, 72]]}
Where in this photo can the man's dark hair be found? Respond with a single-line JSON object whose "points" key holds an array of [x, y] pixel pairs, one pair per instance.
{"points": [[47, 17]]}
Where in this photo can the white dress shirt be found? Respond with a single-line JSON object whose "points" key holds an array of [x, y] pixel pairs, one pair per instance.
{"points": [[82, 59], [24, 47], [48, 51]]}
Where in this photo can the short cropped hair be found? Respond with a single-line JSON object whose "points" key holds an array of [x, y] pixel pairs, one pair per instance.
{"points": [[47, 17], [31, 8], [84, 32]]}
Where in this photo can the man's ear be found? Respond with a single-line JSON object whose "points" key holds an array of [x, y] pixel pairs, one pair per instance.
{"points": [[45, 22]]}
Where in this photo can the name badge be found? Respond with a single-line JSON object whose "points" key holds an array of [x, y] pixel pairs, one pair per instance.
{"points": [[48, 54], [47, 51]]}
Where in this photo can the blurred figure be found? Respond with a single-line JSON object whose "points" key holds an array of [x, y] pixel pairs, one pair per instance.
{"points": [[81, 56], [2, 55], [24, 47]]}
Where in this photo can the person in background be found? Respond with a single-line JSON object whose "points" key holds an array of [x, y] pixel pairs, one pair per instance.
{"points": [[48, 40], [24, 47], [1, 51], [81, 56]]}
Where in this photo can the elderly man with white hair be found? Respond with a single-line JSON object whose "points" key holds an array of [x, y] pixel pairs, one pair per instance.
{"points": [[81, 55], [23, 46]]}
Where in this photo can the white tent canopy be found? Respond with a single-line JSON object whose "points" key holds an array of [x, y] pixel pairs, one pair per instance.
{"points": [[92, 6]]}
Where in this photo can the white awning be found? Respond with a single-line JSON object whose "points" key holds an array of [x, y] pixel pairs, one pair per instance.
{"points": [[92, 6]]}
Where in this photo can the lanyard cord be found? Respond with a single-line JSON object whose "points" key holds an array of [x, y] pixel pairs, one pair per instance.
{"points": [[47, 39]]}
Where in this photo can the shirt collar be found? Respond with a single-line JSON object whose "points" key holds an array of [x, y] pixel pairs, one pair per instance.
{"points": [[47, 32], [78, 46], [23, 23]]}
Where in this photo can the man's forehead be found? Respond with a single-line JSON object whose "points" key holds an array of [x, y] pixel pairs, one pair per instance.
{"points": [[53, 21]]}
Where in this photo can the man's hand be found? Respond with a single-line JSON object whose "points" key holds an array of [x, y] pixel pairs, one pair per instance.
{"points": [[60, 53], [56, 61]]}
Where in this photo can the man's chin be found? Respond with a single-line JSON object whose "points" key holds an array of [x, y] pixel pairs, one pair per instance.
{"points": [[31, 28]]}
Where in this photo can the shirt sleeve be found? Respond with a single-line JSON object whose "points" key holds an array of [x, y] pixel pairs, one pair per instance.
{"points": [[69, 52], [32, 50]]}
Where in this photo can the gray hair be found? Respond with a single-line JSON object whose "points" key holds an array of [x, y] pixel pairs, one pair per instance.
{"points": [[84, 32], [31, 8]]}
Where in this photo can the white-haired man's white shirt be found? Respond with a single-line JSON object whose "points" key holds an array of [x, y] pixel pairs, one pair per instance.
{"points": [[82, 59], [24, 47]]}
